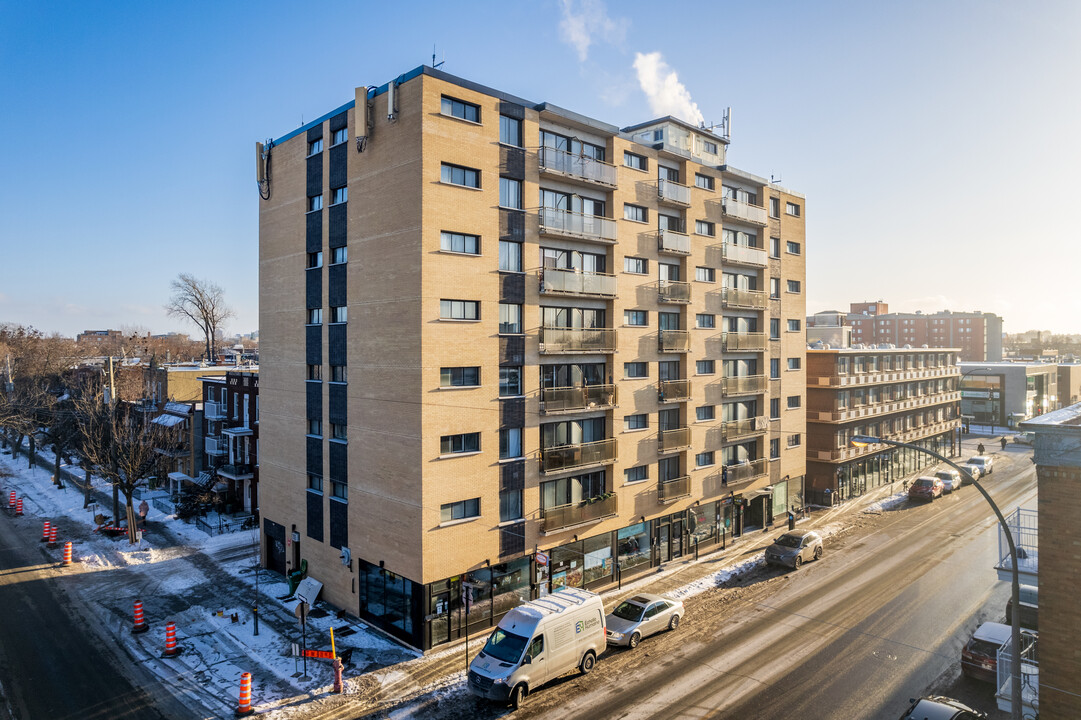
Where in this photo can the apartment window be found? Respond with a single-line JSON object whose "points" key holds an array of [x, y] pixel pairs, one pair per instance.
{"points": [[705, 274], [463, 443], [775, 247], [510, 193], [315, 203], [338, 314], [315, 260], [636, 474], [315, 372], [315, 316], [710, 147], [793, 326], [636, 318], [460, 109], [637, 162], [510, 381], [705, 367], [704, 459], [775, 449], [459, 310], [510, 131], [705, 228], [774, 408], [636, 265], [510, 319], [793, 363], [459, 377], [637, 213], [315, 482], [339, 255], [775, 207], [459, 243], [705, 321], [658, 135], [338, 431], [338, 374], [510, 505], [461, 510], [774, 288], [793, 247], [339, 195], [458, 175], [774, 368], [510, 443], [705, 412], [793, 286], [704, 181], [636, 369], [340, 136], [339, 490], [775, 328], [315, 427], [635, 422], [315, 146], [794, 401], [791, 209], [793, 440]]}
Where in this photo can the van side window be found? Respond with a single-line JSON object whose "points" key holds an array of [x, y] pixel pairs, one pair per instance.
{"points": [[537, 646]]}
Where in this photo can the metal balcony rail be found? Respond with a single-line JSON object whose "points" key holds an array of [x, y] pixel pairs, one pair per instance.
{"points": [[554, 221], [581, 397], [733, 341], [555, 340], [675, 243], [674, 291], [579, 166], [744, 211], [742, 472], [673, 192], [569, 457], [675, 438], [731, 429], [668, 490], [214, 410], [744, 255], [576, 282], [577, 513], [673, 390], [744, 385], [674, 341], [736, 297], [215, 446]]}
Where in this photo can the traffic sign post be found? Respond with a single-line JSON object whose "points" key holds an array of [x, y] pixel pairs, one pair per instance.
{"points": [[302, 613]]}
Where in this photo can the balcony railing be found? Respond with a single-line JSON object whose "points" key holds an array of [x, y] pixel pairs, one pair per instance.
{"points": [[674, 291], [238, 471], [674, 439], [576, 282], [569, 457], [673, 192], [554, 221], [581, 397], [872, 377], [673, 243], [882, 408], [674, 341], [743, 255], [214, 410], [673, 390], [737, 298], [743, 472], [577, 340], [215, 446], [668, 490], [732, 429], [744, 211], [744, 385], [173, 449], [578, 513], [578, 166], [1024, 526], [753, 342]]}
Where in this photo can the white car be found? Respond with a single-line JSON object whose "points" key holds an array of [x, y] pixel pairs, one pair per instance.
{"points": [[951, 479], [984, 462], [975, 471]]}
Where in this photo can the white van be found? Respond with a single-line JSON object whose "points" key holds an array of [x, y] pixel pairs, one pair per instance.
{"points": [[538, 641]]}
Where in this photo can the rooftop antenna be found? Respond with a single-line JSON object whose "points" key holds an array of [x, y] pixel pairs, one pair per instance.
{"points": [[434, 63], [774, 179]]}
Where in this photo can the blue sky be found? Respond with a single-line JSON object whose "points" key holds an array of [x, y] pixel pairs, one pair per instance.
{"points": [[935, 141]]}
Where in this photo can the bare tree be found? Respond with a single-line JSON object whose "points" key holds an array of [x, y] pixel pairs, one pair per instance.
{"points": [[203, 303]]}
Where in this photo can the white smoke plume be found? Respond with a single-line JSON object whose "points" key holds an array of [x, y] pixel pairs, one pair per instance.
{"points": [[666, 94], [585, 19]]}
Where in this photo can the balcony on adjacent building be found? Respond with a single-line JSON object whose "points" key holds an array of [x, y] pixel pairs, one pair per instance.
{"points": [[571, 457], [744, 255], [236, 471], [669, 490], [733, 429], [214, 411], [674, 390], [555, 340], [739, 298], [678, 341], [674, 291], [743, 341], [173, 448], [673, 243], [564, 516], [561, 223], [744, 471], [560, 281], [673, 192], [1025, 527], [744, 385], [576, 167], [674, 439], [581, 397], [740, 210], [215, 446]]}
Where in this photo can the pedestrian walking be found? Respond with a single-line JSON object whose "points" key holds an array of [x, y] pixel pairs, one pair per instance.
{"points": [[980, 448], [144, 510], [724, 475], [1003, 441]]}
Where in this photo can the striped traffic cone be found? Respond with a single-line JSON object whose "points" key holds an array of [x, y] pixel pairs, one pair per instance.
{"points": [[171, 650], [52, 536], [140, 621], [11, 500], [45, 534], [67, 553], [245, 707], [19, 507]]}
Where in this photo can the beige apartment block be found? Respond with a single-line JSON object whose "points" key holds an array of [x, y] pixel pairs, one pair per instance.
{"points": [[507, 348]]}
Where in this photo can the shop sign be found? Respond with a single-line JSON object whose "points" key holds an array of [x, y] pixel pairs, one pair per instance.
{"points": [[542, 558]]}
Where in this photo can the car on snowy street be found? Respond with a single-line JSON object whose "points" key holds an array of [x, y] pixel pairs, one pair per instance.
{"points": [[795, 548], [642, 615], [937, 707], [925, 488]]}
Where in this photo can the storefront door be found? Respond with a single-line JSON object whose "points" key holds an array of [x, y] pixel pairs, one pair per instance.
{"points": [[662, 542], [677, 538], [439, 627]]}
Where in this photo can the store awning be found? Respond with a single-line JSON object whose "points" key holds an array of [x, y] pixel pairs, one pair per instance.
{"points": [[168, 420]]}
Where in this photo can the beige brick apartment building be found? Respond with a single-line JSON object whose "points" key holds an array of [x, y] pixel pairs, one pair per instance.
{"points": [[508, 348]]}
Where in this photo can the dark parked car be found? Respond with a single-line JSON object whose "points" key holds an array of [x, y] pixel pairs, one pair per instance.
{"points": [[1029, 597], [979, 656], [925, 488], [937, 707]]}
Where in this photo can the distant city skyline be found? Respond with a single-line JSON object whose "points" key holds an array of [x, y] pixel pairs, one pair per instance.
{"points": [[933, 141]]}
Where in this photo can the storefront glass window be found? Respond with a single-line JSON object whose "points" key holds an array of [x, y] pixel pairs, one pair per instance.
{"points": [[510, 584], [567, 566], [632, 545], [597, 557]]}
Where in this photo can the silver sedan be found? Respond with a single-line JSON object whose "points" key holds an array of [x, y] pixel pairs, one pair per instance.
{"points": [[642, 615]]}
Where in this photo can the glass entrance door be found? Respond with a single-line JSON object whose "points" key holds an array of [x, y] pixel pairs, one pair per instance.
{"points": [[677, 538], [662, 542]]}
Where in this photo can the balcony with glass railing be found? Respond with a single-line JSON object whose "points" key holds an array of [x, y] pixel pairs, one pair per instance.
{"points": [[580, 455], [673, 291], [674, 341], [560, 281], [214, 410], [590, 510], [744, 255], [739, 210], [744, 341], [733, 429], [673, 242], [576, 167], [581, 397], [673, 192], [744, 471], [557, 340], [669, 490], [739, 298], [215, 446], [561, 223], [673, 390], [744, 385], [236, 471], [674, 439]]}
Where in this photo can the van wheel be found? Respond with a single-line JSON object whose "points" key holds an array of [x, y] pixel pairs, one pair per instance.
{"points": [[633, 642], [674, 622], [818, 553], [588, 661], [797, 562], [517, 695]]}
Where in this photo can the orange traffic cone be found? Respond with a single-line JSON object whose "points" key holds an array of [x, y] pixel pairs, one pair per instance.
{"points": [[245, 707], [52, 536], [140, 622], [171, 650], [45, 533], [67, 553], [11, 500], [19, 507]]}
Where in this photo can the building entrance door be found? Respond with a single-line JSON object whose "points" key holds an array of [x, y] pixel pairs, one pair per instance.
{"points": [[662, 542], [677, 538]]}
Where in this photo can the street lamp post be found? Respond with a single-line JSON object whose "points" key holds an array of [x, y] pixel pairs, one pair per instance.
{"points": [[1015, 589]]}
